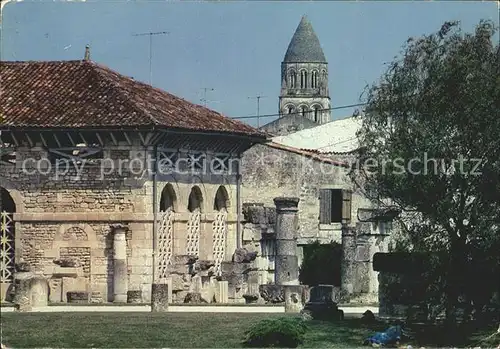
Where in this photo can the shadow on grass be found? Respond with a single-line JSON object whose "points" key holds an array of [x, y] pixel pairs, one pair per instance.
{"points": [[352, 333], [348, 333]]}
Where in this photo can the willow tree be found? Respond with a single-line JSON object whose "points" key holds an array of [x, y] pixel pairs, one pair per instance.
{"points": [[430, 141]]}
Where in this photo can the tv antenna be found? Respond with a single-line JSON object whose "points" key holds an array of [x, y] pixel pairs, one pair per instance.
{"points": [[204, 99], [150, 34], [258, 107]]}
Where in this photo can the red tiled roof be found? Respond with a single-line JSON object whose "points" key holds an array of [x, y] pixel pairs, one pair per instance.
{"points": [[84, 94], [310, 154]]}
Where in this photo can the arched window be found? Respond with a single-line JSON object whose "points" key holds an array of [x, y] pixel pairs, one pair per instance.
{"points": [[290, 109], [168, 198], [292, 79], [314, 79], [303, 110], [303, 79], [317, 113], [195, 200]]}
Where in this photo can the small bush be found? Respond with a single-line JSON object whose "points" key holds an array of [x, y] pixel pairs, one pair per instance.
{"points": [[276, 333], [321, 264]]}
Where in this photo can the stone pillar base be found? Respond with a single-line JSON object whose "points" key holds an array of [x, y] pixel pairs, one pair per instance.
{"points": [[159, 298], [120, 298], [23, 295], [294, 300]]}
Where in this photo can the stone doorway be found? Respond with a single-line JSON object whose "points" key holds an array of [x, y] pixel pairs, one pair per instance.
{"points": [[7, 237]]}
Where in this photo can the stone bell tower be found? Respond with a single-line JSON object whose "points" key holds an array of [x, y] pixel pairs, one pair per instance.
{"points": [[304, 77]]}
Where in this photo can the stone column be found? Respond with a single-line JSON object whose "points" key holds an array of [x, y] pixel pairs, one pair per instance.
{"points": [[120, 274], [348, 276], [286, 261], [23, 294], [159, 298]]}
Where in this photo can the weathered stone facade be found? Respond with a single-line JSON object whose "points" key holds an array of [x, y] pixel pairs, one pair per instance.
{"points": [[70, 218], [270, 170], [104, 180]]}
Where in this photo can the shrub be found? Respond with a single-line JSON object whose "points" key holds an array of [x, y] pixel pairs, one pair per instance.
{"points": [[276, 333], [321, 264]]}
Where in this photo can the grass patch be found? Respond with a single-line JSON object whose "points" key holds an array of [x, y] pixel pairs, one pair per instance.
{"points": [[148, 304], [168, 330]]}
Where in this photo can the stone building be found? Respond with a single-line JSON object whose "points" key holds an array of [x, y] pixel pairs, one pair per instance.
{"points": [[313, 165], [304, 99], [98, 171]]}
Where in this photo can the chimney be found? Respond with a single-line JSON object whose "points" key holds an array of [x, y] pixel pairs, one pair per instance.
{"points": [[87, 53]]}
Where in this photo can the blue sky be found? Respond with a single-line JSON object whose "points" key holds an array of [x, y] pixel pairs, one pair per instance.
{"points": [[234, 47]]}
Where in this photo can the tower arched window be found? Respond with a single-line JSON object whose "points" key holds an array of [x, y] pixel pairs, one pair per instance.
{"points": [[314, 79], [292, 79], [303, 79], [303, 110], [317, 113], [290, 109]]}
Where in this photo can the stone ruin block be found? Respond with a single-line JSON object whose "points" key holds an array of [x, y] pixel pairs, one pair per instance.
{"points": [[204, 268], [70, 284], [194, 298], [183, 264], [236, 293], [252, 294], [134, 296], [294, 298], [68, 262], [234, 268], [22, 267], [196, 284], [270, 213], [322, 304], [159, 297], [243, 255], [253, 212], [252, 276], [251, 298], [256, 213], [272, 294], [96, 297], [178, 282], [77, 297], [30, 291], [39, 292], [178, 297], [323, 293], [221, 292], [22, 296], [208, 290]]}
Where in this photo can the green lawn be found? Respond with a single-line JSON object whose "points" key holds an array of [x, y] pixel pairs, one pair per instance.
{"points": [[162, 330]]}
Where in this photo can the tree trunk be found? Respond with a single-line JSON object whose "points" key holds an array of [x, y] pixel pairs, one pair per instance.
{"points": [[457, 262]]}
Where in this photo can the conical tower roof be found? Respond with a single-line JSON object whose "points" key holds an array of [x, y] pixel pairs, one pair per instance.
{"points": [[305, 46]]}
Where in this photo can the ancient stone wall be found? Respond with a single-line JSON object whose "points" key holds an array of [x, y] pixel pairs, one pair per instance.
{"points": [[269, 172], [63, 216]]}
